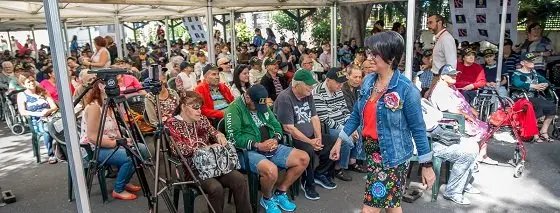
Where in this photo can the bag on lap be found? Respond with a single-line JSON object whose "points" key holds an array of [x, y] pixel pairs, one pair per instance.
{"points": [[215, 161]]}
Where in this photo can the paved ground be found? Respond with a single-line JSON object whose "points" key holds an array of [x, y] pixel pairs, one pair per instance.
{"points": [[41, 188]]}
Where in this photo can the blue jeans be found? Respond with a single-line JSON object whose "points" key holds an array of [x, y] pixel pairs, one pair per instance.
{"points": [[39, 128], [347, 149], [463, 157], [123, 162]]}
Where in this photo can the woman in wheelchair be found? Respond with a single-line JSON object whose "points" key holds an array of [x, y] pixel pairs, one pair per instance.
{"points": [[192, 131], [527, 83], [36, 103], [168, 99], [91, 118], [447, 98]]}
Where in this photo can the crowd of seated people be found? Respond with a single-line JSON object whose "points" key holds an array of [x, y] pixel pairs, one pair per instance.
{"points": [[276, 90]]}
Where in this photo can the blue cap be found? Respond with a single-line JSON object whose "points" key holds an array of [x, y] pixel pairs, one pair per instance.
{"points": [[258, 95], [447, 70]]}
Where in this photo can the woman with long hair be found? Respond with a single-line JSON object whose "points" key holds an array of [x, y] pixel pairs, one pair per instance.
{"points": [[101, 58], [91, 118], [270, 37], [389, 115], [240, 81], [36, 103]]}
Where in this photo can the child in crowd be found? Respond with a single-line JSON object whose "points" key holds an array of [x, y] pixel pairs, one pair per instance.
{"points": [[423, 79]]}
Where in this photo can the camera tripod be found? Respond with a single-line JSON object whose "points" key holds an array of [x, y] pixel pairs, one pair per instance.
{"points": [[114, 103]]}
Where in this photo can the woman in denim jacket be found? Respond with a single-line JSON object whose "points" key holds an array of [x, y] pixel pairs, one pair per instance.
{"points": [[388, 110]]}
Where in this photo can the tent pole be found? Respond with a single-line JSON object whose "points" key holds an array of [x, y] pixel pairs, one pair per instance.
{"points": [[501, 43], [209, 27], [224, 28], [35, 44], [299, 28], [167, 37], [89, 34], [334, 62], [410, 38], [69, 118], [10, 43], [118, 37], [66, 48], [233, 38]]}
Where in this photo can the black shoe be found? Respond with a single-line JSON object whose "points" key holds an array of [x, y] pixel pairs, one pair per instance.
{"points": [[111, 173], [309, 191], [340, 174], [325, 182]]}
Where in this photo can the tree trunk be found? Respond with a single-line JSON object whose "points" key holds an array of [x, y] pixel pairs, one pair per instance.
{"points": [[353, 19]]}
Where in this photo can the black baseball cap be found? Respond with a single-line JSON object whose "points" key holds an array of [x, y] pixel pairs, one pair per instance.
{"points": [[270, 61], [184, 65], [530, 57], [209, 67], [258, 95], [337, 74], [488, 52], [254, 60]]}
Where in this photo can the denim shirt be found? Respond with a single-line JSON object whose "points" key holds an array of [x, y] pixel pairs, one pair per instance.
{"points": [[395, 129]]}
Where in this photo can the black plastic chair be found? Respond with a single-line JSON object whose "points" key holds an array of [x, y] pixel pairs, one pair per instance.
{"points": [[58, 136]]}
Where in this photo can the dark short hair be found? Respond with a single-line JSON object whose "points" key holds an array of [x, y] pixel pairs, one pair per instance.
{"points": [[387, 45], [532, 25], [438, 18]]}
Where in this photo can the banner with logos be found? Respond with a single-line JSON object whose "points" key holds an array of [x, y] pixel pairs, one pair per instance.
{"points": [[479, 20], [195, 28]]}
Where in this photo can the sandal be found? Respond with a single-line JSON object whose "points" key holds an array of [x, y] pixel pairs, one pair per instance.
{"points": [[544, 138], [357, 168], [121, 197]]}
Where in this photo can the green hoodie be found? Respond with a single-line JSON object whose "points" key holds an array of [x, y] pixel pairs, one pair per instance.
{"points": [[241, 128]]}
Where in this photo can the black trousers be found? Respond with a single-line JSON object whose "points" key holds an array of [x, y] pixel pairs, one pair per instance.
{"points": [[470, 95], [326, 165]]}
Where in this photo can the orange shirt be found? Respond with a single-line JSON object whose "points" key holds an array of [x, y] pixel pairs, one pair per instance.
{"points": [[370, 119]]}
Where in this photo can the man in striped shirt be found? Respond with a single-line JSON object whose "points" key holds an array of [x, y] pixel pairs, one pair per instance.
{"points": [[332, 111], [511, 58]]}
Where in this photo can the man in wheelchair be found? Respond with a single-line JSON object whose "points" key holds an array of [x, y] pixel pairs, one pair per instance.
{"points": [[527, 83]]}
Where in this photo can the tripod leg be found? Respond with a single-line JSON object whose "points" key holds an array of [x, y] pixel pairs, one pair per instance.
{"points": [[92, 168]]}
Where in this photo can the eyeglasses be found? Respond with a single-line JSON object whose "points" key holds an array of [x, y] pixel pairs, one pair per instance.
{"points": [[225, 63], [370, 55]]}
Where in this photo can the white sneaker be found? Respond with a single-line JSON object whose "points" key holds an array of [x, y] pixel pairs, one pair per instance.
{"points": [[470, 189], [458, 199]]}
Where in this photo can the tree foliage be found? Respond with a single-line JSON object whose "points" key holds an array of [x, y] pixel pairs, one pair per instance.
{"points": [[538, 11], [242, 32], [285, 22]]}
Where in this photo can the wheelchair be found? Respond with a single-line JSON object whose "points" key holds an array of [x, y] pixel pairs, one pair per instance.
{"points": [[15, 121], [486, 102]]}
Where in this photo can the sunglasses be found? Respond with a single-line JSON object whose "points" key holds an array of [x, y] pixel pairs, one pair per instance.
{"points": [[225, 63], [195, 106]]}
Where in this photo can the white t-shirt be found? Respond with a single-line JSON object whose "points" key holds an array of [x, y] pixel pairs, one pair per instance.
{"points": [[445, 51], [187, 82]]}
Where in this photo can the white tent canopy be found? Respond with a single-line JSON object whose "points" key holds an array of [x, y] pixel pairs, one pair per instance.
{"points": [[22, 15]]}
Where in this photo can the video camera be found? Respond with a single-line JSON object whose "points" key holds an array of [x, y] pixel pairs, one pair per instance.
{"points": [[153, 82], [109, 77]]}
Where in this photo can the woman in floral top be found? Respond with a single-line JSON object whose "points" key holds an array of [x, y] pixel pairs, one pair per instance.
{"points": [[168, 100], [91, 118], [191, 131]]}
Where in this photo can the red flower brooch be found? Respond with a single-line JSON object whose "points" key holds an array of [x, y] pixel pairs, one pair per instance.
{"points": [[393, 101]]}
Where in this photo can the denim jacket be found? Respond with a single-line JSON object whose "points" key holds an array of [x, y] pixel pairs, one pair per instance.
{"points": [[395, 129]]}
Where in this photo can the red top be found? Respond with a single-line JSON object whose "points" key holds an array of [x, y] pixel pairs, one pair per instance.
{"points": [[370, 119], [129, 82], [207, 109], [473, 74], [51, 89]]}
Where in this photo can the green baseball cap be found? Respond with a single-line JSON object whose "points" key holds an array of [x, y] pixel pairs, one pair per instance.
{"points": [[305, 76]]}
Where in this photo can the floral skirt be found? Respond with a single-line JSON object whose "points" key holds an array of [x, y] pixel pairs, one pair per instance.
{"points": [[384, 186]]}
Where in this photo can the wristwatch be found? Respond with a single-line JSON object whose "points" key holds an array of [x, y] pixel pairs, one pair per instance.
{"points": [[426, 165]]}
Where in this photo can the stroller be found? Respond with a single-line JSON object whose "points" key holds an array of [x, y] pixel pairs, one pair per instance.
{"points": [[509, 116]]}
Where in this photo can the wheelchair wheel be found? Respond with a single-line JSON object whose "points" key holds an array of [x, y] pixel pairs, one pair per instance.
{"points": [[18, 129], [8, 116], [519, 170], [517, 156]]}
